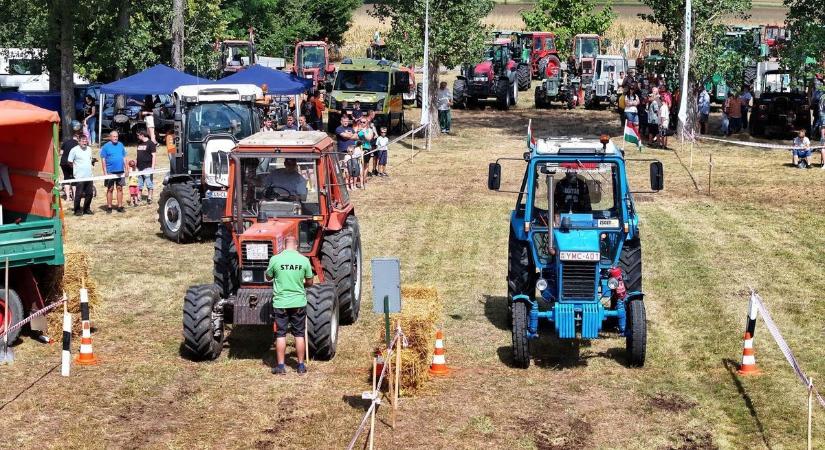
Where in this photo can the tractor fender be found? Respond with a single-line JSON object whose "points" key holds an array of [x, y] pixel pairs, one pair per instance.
{"points": [[521, 298], [177, 178], [338, 218], [635, 295]]}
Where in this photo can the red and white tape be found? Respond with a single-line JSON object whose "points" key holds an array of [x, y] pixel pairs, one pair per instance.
{"points": [[757, 144], [39, 312]]}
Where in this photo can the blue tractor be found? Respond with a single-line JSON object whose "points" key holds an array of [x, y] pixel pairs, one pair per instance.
{"points": [[587, 273]]}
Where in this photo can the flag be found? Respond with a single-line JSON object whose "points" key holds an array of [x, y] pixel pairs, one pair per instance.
{"points": [[631, 133], [531, 141]]}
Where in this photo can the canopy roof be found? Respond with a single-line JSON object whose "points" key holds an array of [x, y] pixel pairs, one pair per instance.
{"points": [[278, 82], [18, 113], [155, 80]]}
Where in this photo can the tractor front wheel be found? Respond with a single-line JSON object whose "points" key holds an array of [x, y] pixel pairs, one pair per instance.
{"points": [[322, 315], [179, 212], [503, 94], [341, 259], [15, 307], [524, 77], [225, 262], [460, 94], [521, 344], [636, 332], [202, 335], [630, 261], [538, 97]]}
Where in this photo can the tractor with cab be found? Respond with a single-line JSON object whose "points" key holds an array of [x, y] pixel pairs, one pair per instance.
{"points": [[312, 61], [280, 184], [544, 57], [574, 251], [603, 88], [495, 77], [521, 43]]}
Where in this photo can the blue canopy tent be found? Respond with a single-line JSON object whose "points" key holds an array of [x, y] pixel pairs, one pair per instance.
{"points": [[278, 82], [159, 79]]}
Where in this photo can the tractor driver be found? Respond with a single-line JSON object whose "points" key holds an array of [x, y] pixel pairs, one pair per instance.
{"points": [[571, 194], [287, 180]]}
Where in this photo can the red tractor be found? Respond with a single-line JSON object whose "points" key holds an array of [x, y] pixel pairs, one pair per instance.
{"points": [[544, 58], [494, 77], [772, 39], [280, 184], [312, 61]]}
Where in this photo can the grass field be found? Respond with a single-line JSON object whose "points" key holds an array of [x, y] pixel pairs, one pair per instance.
{"points": [[761, 227]]}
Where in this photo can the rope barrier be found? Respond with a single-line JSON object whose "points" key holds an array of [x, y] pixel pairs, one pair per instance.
{"points": [[400, 138], [783, 346], [114, 176], [758, 144], [375, 394], [40, 312]]}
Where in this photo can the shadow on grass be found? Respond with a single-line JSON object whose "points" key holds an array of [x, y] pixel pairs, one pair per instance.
{"points": [[252, 342], [731, 366], [549, 352], [495, 309], [356, 402]]}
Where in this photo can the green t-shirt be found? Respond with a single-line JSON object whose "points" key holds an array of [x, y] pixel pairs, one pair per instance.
{"points": [[288, 271]]}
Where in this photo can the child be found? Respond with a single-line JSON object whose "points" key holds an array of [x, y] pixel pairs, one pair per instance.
{"points": [[134, 193], [356, 155], [383, 145], [801, 150]]}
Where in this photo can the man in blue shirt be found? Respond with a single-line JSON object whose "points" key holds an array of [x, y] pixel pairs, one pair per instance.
{"points": [[113, 154], [345, 135]]}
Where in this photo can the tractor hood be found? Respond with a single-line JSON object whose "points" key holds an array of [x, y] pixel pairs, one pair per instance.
{"points": [[273, 231], [576, 240], [484, 68]]}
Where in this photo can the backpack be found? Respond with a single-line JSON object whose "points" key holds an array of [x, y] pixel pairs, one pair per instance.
{"points": [[621, 101]]}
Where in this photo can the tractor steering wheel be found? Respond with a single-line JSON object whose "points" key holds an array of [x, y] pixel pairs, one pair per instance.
{"points": [[271, 193]]}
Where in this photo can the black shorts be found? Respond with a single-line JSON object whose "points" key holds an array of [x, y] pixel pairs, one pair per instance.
{"points": [[653, 128], [367, 157], [110, 183], [68, 171], [285, 317]]}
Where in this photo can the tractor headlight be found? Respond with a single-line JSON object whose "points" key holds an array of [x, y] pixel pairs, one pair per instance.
{"points": [[246, 276], [541, 284], [612, 283]]}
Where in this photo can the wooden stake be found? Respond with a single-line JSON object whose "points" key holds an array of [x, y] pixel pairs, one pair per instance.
{"points": [[810, 412], [372, 418], [397, 368], [710, 172]]}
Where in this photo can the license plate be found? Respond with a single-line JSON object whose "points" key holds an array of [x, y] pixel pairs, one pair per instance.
{"points": [[579, 256], [257, 252], [215, 194], [608, 223], [479, 79], [309, 77]]}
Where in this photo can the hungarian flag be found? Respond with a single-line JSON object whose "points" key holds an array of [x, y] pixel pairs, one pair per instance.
{"points": [[531, 141], [631, 133]]}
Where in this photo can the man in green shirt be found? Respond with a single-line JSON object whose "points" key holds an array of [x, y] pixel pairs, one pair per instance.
{"points": [[291, 273]]}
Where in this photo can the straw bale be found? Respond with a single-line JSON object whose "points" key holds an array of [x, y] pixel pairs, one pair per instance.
{"points": [[70, 278]]}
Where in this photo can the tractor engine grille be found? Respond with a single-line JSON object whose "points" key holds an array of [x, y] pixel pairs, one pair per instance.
{"points": [[601, 89], [578, 279], [255, 263]]}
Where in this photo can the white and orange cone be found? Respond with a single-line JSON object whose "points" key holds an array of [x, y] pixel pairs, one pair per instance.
{"points": [[748, 366], [87, 355], [439, 365]]}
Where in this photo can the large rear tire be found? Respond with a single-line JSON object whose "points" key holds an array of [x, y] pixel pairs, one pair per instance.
{"points": [[521, 344], [460, 94], [322, 315], [341, 259], [636, 339], [225, 262], [202, 336], [538, 97], [524, 77], [179, 212], [16, 313], [503, 94]]}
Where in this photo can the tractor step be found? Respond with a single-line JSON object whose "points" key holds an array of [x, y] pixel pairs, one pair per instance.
{"points": [[252, 306]]}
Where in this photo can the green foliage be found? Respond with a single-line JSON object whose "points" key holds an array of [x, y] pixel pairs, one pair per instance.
{"points": [[456, 32], [806, 22], [567, 18], [334, 18], [277, 23]]}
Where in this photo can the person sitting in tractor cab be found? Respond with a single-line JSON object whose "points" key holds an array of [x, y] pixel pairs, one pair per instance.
{"points": [[287, 180], [572, 194]]}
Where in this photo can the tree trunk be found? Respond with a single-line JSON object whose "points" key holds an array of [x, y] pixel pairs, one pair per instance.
{"points": [[177, 34], [53, 45], [122, 31], [67, 65], [433, 94]]}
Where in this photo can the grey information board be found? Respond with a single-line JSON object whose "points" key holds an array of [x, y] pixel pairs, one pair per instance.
{"points": [[386, 281]]}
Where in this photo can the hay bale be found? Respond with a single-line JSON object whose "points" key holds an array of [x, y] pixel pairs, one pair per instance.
{"points": [[70, 278], [422, 309]]}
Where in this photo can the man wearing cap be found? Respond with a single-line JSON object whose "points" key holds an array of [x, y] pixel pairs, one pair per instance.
{"points": [[291, 273]]}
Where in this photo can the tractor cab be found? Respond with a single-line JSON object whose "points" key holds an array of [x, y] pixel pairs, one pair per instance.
{"points": [[543, 48], [604, 87], [574, 240], [312, 62], [585, 49], [236, 55]]}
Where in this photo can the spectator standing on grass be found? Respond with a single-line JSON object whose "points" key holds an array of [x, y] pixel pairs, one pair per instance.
{"points": [[383, 145], [703, 106], [147, 112], [801, 150], [365, 138], [318, 119], [641, 108], [345, 135], [664, 121], [291, 273], [113, 154], [631, 105], [303, 125], [822, 118], [733, 109], [357, 113], [65, 166], [171, 148], [90, 117], [290, 124], [745, 100], [80, 160], [620, 104], [444, 102], [652, 118], [146, 160], [132, 183]]}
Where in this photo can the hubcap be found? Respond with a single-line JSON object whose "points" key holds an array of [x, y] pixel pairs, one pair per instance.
{"points": [[171, 213]]}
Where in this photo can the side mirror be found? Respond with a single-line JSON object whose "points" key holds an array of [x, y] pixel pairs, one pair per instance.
{"points": [[401, 83], [636, 43], [494, 177], [657, 176]]}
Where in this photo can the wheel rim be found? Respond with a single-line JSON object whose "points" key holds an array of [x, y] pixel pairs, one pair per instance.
{"points": [[172, 215], [357, 263]]}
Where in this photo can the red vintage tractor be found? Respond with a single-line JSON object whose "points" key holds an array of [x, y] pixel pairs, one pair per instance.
{"points": [[494, 77], [544, 58], [312, 61], [280, 184]]}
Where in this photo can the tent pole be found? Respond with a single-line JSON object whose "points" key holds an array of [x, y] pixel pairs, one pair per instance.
{"points": [[100, 119]]}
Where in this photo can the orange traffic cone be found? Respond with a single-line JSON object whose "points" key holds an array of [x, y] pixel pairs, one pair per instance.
{"points": [[87, 355], [439, 365], [748, 366]]}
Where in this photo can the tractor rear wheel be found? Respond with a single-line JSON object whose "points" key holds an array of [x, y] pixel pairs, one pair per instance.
{"points": [[322, 315], [15, 312], [503, 93], [636, 332], [419, 94], [749, 74], [521, 344], [341, 259], [460, 93], [202, 336], [524, 77], [225, 262], [630, 261], [179, 212]]}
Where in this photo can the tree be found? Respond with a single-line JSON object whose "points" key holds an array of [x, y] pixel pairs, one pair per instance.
{"points": [[456, 34], [806, 23], [567, 18], [334, 18], [707, 56], [177, 34]]}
